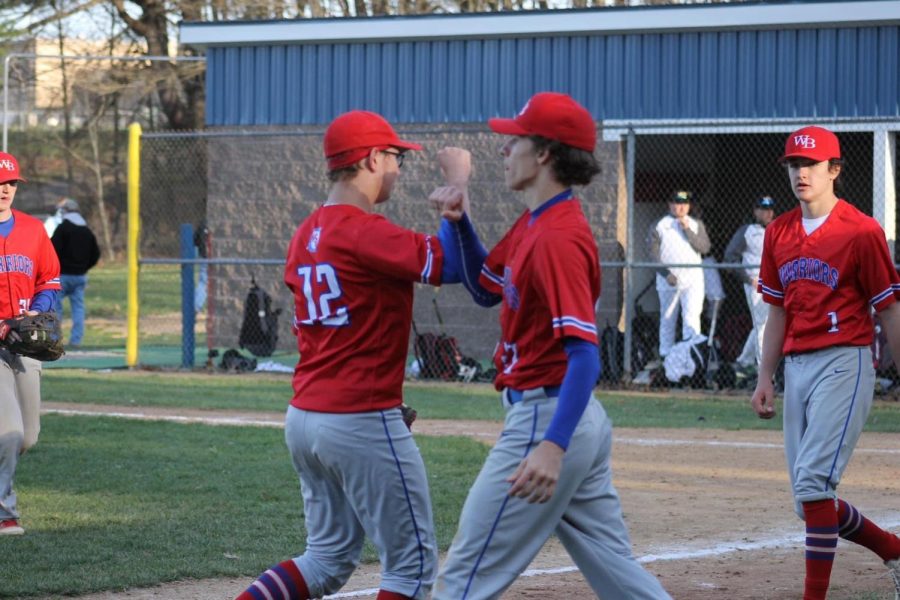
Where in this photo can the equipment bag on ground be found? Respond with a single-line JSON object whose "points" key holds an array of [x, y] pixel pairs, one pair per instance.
{"points": [[259, 330]]}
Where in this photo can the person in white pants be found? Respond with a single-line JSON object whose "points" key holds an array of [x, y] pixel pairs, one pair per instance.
{"points": [[679, 239], [746, 247]]}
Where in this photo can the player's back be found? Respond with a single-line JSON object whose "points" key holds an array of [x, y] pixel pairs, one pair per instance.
{"points": [[351, 273]]}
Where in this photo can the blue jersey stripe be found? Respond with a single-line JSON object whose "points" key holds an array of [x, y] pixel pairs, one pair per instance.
{"points": [[881, 296], [573, 322], [429, 258], [491, 275], [772, 292]]}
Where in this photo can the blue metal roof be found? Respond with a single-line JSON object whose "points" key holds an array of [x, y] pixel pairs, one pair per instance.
{"points": [[765, 73], [746, 74]]}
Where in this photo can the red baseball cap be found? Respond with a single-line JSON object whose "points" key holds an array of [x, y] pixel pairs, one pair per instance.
{"points": [[351, 135], [553, 116], [9, 168], [814, 143]]}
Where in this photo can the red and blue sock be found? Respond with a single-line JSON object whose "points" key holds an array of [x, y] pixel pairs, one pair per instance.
{"points": [[282, 582], [821, 544], [859, 530]]}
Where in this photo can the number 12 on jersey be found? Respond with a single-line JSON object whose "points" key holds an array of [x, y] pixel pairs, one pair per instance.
{"points": [[322, 309]]}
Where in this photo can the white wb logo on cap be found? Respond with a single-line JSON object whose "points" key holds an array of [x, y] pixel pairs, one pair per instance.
{"points": [[8, 165], [807, 141]]}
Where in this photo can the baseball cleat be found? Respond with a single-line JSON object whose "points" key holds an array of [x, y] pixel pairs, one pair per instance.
{"points": [[12, 527], [894, 571]]}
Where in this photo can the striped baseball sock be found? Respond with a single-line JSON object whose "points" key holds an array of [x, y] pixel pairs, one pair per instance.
{"points": [[282, 582], [859, 530], [821, 544], [386, 595]]}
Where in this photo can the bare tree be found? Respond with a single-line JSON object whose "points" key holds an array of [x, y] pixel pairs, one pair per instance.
{"points": [[181, 98], [67, 107]]}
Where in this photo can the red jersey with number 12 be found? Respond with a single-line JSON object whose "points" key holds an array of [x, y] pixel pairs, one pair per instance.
{"points": [[828, 280], [352, 276], [548, 272]]}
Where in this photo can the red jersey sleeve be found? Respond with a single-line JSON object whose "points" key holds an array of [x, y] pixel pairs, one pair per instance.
{"points": [[877, 274], [568, 276], [46, 276], [769, 284], [492, 271], [400, 253], [491, 277]]}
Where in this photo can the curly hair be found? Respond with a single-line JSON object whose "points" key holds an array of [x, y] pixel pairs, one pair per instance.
{"points": [[571, 166]]}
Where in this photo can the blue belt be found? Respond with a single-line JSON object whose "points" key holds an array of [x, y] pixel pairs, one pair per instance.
{"points": [[515, 396]]}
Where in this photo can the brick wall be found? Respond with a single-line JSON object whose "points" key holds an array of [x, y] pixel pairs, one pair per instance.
{"points": [[262, 187]]}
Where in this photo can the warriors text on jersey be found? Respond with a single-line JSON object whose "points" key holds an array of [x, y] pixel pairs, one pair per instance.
{"points": [[548, 271], [28, 265], [827, 281], [352, 276]]}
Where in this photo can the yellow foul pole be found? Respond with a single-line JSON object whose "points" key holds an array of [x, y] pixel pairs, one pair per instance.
{"points": [[134, 230]]}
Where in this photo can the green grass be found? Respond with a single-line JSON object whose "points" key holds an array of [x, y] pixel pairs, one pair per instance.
{"points": [[106, 305], [480, 402], [110, 503], [159, 285]]}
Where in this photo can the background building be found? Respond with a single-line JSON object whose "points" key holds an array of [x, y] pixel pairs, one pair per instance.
{"points": [[697, 97]]}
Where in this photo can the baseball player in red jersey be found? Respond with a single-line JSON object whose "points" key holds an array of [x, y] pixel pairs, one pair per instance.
{"points": [[550, 469], [352, 273], [29, 284], [825, 267]]}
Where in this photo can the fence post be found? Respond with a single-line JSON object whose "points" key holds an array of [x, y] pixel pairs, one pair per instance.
{"points": [[629, 255], [134, 226], [884, 184], [187, 296]]}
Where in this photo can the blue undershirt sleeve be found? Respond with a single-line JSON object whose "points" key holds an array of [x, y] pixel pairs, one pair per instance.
{"points": [[472, 255], [447, 236], [44, 300], [582, 372]]}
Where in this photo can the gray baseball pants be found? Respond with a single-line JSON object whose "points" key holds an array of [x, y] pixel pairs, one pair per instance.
{"points": [[20, 420]]}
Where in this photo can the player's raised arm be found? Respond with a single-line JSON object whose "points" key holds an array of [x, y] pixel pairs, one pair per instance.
{"points": [[464, 253]]}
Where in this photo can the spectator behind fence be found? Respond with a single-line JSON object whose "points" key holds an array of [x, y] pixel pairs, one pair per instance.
{"points": [[746, 247], [679, 239], [78, 252]]}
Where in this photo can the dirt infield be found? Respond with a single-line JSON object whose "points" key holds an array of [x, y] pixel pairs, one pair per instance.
{"points": [[709, 513]]}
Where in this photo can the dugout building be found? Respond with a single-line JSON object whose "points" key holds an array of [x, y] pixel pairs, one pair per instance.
{"points": [[696, 97]]}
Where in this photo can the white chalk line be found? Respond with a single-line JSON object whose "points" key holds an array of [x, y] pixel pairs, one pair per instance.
{"points": [[718, 549], [239, 421], [762, 445], [279, 423]]}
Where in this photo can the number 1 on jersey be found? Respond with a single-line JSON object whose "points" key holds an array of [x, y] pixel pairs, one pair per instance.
{"points": [[321, 311], [834, 325]]}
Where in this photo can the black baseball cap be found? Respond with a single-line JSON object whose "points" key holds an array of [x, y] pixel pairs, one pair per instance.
{"points": [[682, 197], [765, 202]]}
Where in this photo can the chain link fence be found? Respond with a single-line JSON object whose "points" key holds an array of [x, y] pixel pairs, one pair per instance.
{"points": [[252, 189], [66, 120]]}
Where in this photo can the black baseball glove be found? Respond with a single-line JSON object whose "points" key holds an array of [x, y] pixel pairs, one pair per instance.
{"points": [[409, 415], [35, 336]]}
